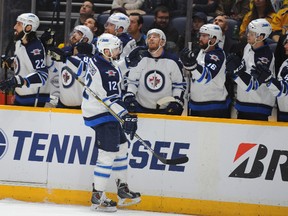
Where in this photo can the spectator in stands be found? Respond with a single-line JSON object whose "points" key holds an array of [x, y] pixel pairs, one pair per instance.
{"points": [[234, 9], [208, 7], [162, 22], [176, 7], [208, 95], [254, 101], [135, 29], [260, 9], [95, 27], [280, 22], [118, 10], [131, 6], [226, 43], [87, 10], [198, 20]]}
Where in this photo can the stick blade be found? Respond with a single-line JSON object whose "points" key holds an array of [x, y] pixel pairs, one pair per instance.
{"points": [[175, 161]]}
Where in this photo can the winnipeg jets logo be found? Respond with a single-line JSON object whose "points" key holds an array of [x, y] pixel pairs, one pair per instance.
{"points": [[154, 81], [264, 60], [36, 52], [111, 73], [214, 57], [67, 79]]}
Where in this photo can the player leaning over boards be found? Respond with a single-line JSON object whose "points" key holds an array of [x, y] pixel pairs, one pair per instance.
{"points": [[254, 101], [104, 78], [208, 94], [28, 63]]}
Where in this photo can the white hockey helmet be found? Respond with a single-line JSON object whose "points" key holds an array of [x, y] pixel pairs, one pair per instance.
{"points": [[29, 19], [119, 20], [108, 41], [86, 31], [260, 27], [157, 31], [213, 31]]}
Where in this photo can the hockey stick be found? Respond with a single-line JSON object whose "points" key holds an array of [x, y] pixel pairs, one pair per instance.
{"points": [[162, 159]]}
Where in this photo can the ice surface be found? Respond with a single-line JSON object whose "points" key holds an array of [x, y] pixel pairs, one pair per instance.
{"points": [[9, 207]]}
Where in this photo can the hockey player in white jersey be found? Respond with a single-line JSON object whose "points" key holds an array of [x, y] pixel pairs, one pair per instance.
{"points": [[104, 78], [156, 84], [29, 64], [208, 94], [75, 58], [117, 24], [279, 85], [254, 101]]}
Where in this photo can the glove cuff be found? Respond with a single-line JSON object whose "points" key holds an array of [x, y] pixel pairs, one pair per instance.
{"points": [[127, 95], [19, 81], [191, 67]]}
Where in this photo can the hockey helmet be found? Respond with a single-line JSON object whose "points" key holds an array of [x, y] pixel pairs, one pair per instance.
{"points": [[29, 19], [108, 41], [212, 30], [87, 33], [260, 27], [157, 31], [119, 20]]}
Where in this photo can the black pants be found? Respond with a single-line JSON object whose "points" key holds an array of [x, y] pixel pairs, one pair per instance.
{"points": [[252, 116]]}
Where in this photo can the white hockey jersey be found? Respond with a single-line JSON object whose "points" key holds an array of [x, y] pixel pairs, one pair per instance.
{"points": [[207, 88], [103, 78], [155, 78], [252, 97], [30, 63]]}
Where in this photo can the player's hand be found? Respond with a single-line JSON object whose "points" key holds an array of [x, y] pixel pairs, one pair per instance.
{"points": [[84, 48], [135, 56], [233, 61], [7, 62], [130, 125], [58, 54], [261, 72], [188, 59], [16, 81], [48, 38], [174, 108], [130, 102]]}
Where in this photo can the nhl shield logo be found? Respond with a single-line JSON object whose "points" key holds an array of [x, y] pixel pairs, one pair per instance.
{"points": [[154, 81]]}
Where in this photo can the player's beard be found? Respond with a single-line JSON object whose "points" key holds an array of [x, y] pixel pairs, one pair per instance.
{"points": [[18, 36], [203, 46]]}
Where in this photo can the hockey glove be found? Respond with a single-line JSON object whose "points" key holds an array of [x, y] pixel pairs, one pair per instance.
{"points": [[7, 62], [48, 38], [135, 56], [16, 81], [232, 63], [58, 54], [84, 48], [130, 125], [130, 102], [188, 59], [174, 108], [262, 73]]}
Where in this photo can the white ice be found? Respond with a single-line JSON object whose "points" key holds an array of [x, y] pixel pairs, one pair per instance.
{"points": [[9, 207]]}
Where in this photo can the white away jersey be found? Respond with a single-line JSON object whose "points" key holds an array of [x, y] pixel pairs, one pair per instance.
{"points": [[155, 78]]}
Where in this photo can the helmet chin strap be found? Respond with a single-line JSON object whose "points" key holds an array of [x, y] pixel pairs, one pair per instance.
{"points": [[209, 45], [152, 53], [256, 41]]}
